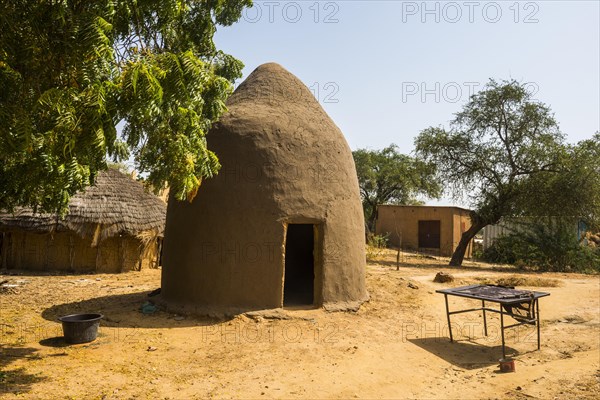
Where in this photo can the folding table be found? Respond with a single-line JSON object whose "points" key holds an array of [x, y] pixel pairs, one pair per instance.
{"points": [[522, 305]]}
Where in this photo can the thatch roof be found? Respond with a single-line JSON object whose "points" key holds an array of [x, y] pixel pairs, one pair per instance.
{"points": [[115, 205]]}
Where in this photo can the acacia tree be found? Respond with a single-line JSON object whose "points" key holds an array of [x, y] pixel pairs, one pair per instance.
{"points": [[574, 191], [501, 140], [72, 70], [389, 177]]}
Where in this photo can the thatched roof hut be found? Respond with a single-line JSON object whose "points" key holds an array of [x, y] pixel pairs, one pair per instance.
{"points": [[282, 223], [114, 225]]}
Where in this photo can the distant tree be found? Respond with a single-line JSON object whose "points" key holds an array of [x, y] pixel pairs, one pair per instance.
{"points": [[121, 167], [389, 177], [71, 70], [574, 191], [498, 143]]}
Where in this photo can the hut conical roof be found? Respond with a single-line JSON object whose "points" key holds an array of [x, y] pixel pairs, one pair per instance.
{"points": [[115, 204], [270, 92]]}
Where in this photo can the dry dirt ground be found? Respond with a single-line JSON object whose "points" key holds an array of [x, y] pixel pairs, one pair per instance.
{"points": [[396, 346]]}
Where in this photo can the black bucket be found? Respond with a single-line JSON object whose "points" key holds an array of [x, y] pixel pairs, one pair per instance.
{"points": [[80, 328]]}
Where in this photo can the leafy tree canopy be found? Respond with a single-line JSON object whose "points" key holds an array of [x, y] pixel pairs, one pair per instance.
{"points": [[389, 177], [500, 141], [71, 70], [572, 192]]}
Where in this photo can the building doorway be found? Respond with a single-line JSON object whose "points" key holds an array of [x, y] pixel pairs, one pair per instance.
{"points": [[299, 279], [429, 234]]}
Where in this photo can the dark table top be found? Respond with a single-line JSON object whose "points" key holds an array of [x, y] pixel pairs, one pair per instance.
{"points": [[497, 294]]}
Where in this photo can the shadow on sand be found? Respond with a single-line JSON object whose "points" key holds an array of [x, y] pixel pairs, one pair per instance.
{"points": [[17, 381], [436, 266], [463, 354], [123, 311]]}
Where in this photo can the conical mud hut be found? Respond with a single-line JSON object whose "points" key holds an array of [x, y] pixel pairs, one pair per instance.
{"points": [[113, 226], [282, 223]]}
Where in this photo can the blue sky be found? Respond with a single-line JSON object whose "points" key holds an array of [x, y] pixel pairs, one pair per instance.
{"points": [[385, 70]]}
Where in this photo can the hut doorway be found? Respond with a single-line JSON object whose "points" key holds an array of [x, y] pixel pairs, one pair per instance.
{"points": [[299, 276]]}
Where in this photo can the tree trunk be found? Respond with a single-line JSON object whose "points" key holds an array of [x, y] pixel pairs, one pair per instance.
{"points": [[370, 219], [371, 223], [459, 254]]}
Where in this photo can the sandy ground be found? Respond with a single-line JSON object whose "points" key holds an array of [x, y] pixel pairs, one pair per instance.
{"points": [[396, 346]]}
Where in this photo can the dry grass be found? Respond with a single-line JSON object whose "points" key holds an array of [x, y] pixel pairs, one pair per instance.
{"points": [[374, 253]]}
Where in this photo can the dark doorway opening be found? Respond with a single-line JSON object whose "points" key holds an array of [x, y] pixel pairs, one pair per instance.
{"points": [[299, 279], [429, 234]]}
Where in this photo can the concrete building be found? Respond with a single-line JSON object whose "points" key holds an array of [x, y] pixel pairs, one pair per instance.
{"points": [[432, 229]]}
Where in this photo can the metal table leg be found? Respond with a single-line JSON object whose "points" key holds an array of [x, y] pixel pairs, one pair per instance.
{"points": [[448, 316], [484, 319], [502, 330], [537, 320]]}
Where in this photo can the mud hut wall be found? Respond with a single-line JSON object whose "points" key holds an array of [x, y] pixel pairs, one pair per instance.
{"points": [[343, 251], [241, 254], [405, 220], [233, 234], [283, 162], [319, 261], [235, 258], [318, 187]]}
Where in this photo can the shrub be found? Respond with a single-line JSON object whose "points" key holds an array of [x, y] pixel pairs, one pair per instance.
{"points": [[375, 245], [378, 241], [548, 245]]}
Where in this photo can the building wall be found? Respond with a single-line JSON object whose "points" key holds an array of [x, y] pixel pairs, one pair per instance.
{"points": [[402, 225], [65, 251]]}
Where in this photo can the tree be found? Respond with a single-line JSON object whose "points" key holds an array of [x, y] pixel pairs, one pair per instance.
{"points": [[389, 177], [498, 143], [573, 191], [72, 70]]}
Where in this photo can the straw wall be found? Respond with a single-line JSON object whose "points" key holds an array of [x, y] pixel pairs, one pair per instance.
{"points": [[65, 251]]}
